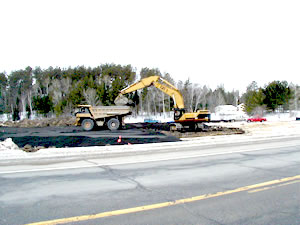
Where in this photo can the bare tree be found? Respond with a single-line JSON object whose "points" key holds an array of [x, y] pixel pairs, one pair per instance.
{"points": [[29, 98], [91, 97], [23, 102], [46, 83], [294, 102], [200, 99], [66, 84], [220, 100], [163, 102], [56, 91]]}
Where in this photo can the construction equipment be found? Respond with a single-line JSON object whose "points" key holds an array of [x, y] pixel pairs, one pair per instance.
{"points": [[182, 120], [110, 116]]}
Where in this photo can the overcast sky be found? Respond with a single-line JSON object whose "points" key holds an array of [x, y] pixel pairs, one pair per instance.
{"points": [[211, 42]]}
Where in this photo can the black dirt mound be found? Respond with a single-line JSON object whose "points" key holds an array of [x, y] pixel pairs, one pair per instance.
{"points": [[82, 141], [60, 137]]}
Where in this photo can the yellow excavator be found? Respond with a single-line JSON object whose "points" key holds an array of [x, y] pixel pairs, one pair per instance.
{"points": [[182, 120]]}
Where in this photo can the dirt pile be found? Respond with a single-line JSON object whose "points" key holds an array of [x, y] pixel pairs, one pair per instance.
{"points": [[211, 132], [46, 122]]}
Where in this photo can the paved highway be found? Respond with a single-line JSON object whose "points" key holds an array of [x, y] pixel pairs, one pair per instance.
{"points": [[242, 183]]}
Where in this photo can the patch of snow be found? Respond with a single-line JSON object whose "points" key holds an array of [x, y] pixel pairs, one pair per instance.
{"points": [[163, 118], [23, 115], [8, 144], [134, 119], [9, 150], [5, 117], [276, 117]]}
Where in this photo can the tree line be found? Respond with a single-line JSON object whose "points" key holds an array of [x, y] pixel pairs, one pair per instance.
{"points": [[57, 91], [277, 95]]}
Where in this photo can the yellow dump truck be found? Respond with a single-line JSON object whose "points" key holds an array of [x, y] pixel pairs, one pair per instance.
{"points": [[112, 117]]}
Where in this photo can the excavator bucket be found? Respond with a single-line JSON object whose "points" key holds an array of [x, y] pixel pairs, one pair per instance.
{"points": [[121, 100]]}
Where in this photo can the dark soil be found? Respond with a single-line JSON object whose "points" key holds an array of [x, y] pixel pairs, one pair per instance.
{"points": [[214, 132], [71, 136], [74, 136]]}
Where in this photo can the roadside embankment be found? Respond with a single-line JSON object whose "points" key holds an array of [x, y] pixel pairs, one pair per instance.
{"points": [[253, 132]]}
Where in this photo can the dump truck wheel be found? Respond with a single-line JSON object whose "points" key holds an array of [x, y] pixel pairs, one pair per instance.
{"points": [[87, 124], [113, 124], [173, 128]]}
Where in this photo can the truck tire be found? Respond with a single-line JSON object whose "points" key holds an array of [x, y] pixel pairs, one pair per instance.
{"points": [[88, 124], [173, 128], [113, 124]]}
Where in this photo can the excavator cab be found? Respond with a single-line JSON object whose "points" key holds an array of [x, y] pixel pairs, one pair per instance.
{"points": [[178, 113]]}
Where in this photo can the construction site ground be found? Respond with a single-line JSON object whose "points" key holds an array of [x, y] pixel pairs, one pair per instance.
{"points": [[30, 137], [71, 136], [35, 138]]}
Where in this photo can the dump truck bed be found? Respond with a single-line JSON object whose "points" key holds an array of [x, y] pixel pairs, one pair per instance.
{"points": [[108, 111]]}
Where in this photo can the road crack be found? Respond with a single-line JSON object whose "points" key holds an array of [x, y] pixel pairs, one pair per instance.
{"points": [[198, 215], [121, 177]]}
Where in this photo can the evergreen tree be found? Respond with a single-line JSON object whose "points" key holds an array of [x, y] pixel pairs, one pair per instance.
{"points": [[277, 93], [3, 86], [43, 105], [253, 98]]}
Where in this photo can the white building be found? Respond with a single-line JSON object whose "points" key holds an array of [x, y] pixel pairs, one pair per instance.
{"points": [[229, 113]]}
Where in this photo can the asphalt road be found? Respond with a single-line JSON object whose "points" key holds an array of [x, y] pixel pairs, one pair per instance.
{"points": [[249, 183]]}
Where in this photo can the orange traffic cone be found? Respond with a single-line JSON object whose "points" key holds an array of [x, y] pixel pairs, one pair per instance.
{"points": [[120, 139]]}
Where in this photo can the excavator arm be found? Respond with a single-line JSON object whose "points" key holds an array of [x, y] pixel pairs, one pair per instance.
{"points": [[159, 83]]}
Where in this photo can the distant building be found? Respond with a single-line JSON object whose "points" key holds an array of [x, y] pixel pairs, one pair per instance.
{"points": [[229, 113]]}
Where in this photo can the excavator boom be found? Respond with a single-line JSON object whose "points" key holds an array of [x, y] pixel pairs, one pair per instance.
{"points": [[159, 83]]}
